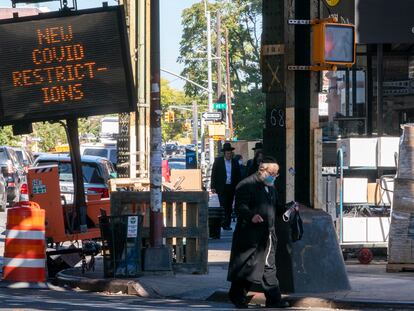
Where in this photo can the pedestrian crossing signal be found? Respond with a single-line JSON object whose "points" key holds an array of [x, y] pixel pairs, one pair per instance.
{"points": [[333, 44]]}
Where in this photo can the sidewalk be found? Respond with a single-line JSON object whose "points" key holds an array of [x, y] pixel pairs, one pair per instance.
{"points": [[372, 287]]}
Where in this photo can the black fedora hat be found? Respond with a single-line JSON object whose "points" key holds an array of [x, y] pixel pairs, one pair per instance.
{"points": [[258, 146], [227, 147]]}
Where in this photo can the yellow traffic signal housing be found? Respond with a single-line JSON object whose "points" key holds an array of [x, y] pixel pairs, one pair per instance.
{"points": [[167, 117], [172, 116], [333, 44]]}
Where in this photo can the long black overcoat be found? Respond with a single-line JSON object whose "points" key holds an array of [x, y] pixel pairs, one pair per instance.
{"points": [[247, 257]]}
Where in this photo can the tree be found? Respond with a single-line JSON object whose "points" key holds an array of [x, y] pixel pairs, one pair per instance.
{"points": [[7, 138], [242, 18], [171, 97]]}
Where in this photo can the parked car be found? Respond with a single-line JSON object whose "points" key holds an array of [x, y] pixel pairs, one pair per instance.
{"points": [[96, 173], [3, 193], [25, 157], [13, 173], [176, 163], [107, 151]]}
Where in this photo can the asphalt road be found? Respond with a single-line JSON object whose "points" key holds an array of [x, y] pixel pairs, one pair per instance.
{"points": [[62, 299]]}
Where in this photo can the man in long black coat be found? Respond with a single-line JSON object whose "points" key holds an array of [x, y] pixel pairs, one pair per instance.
{"points": [[225, 176], [252, 258]]}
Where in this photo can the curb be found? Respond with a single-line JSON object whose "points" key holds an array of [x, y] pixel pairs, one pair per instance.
{"points": [[318, 302], [133, 287], [127, 286]]}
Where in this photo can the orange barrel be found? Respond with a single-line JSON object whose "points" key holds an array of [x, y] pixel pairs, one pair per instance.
{"points": [[25, 247]]}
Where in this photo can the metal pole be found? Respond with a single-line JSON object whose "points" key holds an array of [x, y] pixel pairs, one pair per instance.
{"points": [[228, 97], [380, 100], [141, 87], [156, 223], [195, 124], [218, 54], [79, 195], [133, 115], [210, 84], [195, 129]]}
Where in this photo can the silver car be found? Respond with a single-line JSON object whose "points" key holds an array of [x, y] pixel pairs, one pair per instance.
{"points": [[96, 173]]}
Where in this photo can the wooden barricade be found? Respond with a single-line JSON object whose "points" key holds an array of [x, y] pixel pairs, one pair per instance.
{"points": [[185, 219]]}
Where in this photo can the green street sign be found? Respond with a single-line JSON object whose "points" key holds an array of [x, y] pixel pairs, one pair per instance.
{"points": [[219, 105]]}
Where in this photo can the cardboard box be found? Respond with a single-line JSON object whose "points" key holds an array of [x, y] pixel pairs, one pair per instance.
{"points": [[366, 229], [355, 190], [359, 152], [373, 194], [190, 179], [244, 148], [387, 148]]}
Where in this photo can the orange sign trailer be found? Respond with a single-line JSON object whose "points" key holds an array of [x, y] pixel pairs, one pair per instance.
{"points": [[61, 220]]}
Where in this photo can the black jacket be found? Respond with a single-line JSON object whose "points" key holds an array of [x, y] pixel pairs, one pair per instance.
{"points": [[219, 175], [247, 257]]}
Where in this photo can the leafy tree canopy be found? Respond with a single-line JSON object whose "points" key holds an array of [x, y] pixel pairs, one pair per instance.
{"points": [[242, 19]]}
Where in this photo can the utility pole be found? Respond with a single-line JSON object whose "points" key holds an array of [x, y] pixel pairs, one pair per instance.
{"points": [[141, 88], [195, 124], [210, 81], [218, 54], [228, 91], [156, 223]]}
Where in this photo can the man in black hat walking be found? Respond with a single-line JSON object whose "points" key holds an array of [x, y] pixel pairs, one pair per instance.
{"points": [[225, 176], [253, 164]]}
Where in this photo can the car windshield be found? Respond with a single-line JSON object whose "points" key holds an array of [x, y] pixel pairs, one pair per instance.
{"points": [[90, 171], [176, 160], [113, 156], [3, 156], [177, 165], [20, 155], [96, 152]]}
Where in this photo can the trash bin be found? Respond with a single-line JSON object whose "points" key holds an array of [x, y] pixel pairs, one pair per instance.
{"points": [[215, 218], [121, 245]]}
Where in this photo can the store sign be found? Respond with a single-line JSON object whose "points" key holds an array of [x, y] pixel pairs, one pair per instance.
{"points": [[55, 67]]}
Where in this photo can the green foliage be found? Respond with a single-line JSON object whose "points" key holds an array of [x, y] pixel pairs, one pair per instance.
{"points": [[242, 19], [7, 138], [171, 97], [50, 134]]}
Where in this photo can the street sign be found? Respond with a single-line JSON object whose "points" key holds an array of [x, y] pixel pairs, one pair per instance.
{"points": [[64, 65], [212, 116], [219, 106]]}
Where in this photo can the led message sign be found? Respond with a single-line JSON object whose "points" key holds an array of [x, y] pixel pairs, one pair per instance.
{"points": [[55, 67]]}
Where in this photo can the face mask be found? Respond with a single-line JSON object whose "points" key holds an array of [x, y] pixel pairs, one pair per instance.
{"points": [[269, 180]]}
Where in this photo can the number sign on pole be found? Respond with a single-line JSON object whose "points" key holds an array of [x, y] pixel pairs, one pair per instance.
{"points": [[61, 65]]}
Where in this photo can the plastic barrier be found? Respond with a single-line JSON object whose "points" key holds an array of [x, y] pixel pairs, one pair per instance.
{"points": [[25, 249]]}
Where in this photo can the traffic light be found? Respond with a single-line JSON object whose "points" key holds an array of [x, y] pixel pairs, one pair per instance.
{"points": [[333, 44], [169, 117], [172, 116]]}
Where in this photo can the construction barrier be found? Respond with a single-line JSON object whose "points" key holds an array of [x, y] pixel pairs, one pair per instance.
{"points": [[25, 249]]}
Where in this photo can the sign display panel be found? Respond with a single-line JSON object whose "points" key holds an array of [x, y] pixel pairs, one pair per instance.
{"points": [[55, 67], [339, 44]]}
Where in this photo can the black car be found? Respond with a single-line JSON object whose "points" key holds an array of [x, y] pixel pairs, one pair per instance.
{"points": [[13, 173]]}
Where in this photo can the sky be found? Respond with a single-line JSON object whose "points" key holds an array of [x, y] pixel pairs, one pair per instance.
{"points": [[171, 30]]}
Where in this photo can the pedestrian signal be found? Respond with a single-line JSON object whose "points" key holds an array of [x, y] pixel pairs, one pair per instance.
{"points": [[333, 44]]}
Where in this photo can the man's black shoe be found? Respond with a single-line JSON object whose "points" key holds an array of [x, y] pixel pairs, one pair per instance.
{"points": [[228, 228], [280, 304], [239, 304]]}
